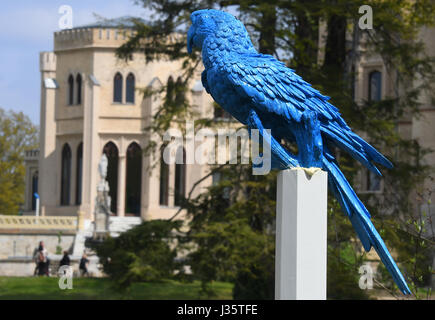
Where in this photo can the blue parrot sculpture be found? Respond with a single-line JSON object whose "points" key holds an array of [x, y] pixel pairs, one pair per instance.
{"points": [[262, 93]]}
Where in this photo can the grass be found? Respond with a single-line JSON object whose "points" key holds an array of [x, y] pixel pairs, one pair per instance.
{"points": [[29, 288]]}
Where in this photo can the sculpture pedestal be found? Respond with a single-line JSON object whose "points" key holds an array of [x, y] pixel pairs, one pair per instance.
{"points": [[301, 235]]}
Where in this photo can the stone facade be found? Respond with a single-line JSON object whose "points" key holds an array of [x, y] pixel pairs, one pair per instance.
{"points": [[23, 244], [409, 126]]}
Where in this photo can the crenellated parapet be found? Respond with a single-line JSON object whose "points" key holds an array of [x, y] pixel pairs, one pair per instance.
{"points": [[47, 61], [79, 38]]}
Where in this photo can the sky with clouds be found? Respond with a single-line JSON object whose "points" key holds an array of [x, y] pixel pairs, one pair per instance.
{"points": [[27, 29]]}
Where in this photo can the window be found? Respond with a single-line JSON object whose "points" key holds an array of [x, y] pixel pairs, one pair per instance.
{"points": [[111, 151], [129, 94], [373, 181], [34, 189], [179, 92], [170, 90], [375, 86], [79, 88], [70, 90], [79, 174], [65, 175], [180, 176], [133, 179], [117, 88], [164, 181]]}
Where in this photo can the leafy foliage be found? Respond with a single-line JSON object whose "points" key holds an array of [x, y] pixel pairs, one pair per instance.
{"points": [[17, 134], [144, 253]]}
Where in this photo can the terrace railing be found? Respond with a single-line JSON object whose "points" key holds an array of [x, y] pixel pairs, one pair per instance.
{"points": [[39, 222]]}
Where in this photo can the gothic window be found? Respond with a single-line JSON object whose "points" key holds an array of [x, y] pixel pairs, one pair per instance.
{"points": [[170, 90], [375, 86], [79, 89], [164, 181], [373, 181], [179, 92], [117, 88], [79, 174], [130, 83], [70, 90], [133, 179], [111, 151], [180, 176], [65, 175], [34, 189]]}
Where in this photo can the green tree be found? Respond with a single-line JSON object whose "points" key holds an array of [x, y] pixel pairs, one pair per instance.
{"points": [[17, 134], [234, 235], [143, 253]]}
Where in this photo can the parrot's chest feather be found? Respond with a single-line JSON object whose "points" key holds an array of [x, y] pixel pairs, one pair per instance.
{"points": [[216, 54], [224, 93]]}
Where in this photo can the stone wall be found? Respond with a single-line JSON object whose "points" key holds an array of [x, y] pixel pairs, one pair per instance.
{"points": [[23, 245]]}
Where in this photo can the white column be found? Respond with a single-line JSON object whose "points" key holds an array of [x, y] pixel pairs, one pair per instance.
{"points": [[301, 235], [120, 210], [91, 146]]}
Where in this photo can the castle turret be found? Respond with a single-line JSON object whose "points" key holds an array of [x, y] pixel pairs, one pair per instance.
{"points": [[47, 64], [47, 138]]}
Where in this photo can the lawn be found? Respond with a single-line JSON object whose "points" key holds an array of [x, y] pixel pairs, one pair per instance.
{"points": [[100, 288]]}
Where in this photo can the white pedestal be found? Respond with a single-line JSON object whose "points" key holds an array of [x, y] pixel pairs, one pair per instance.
{"points": [[301, 236]]}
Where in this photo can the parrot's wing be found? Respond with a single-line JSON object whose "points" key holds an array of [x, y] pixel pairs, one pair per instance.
{"points": [[274, 88]]}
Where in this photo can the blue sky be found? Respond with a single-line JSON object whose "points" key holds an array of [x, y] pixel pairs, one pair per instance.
{"points": [[27, 28]]}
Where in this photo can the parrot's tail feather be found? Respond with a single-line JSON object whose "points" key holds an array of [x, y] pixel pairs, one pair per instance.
{"points": [[360, 219], [374, 154]]}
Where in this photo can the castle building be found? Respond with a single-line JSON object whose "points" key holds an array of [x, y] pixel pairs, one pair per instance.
{"points": [[373, 82], [91, 104]]}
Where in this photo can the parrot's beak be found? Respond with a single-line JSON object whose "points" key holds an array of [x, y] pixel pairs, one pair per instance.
{"points": [[190, 35]]}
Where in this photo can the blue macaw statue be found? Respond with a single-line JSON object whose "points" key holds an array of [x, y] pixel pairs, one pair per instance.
{"points": [[262, 93]]}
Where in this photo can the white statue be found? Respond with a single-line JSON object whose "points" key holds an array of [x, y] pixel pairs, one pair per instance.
{"points": [[102, 166], [103, 200]]}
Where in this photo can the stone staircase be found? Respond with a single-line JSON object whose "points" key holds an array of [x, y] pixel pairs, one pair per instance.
{"points": [[118, 225]]}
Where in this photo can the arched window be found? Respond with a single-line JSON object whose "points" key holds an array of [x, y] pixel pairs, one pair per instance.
{"points": [[129, 92], [79, 174], [34, 189], [134, 179], [111, 152], [373, 181], [164, 181], [180, 176], [179, 92], [65, 175], [375, 86], [117, 88], [70, 90], [79, 88], [170, 90]]}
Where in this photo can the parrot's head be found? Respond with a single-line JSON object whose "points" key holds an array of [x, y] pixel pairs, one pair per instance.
{"points": [[210, 22]]}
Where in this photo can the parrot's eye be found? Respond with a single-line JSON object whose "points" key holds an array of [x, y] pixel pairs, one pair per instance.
{"points": [[203, 18]]}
